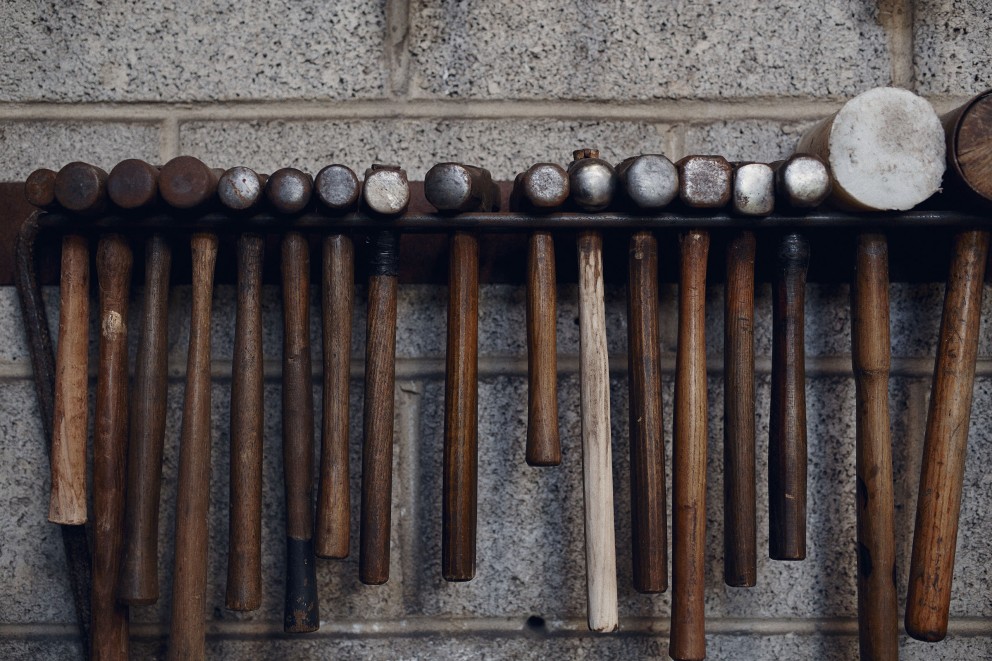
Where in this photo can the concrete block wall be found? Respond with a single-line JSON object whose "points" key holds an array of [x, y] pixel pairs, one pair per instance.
{"points": [[276, 83]]}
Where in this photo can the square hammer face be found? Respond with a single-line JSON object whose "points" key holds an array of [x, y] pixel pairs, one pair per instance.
{"points": [[705, 182], [754, 189]]}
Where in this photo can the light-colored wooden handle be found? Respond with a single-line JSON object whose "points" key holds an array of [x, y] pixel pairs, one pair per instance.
{"points": [[688, 637], [945, 442], [878, 618], [597, 472], [189, 578], [68, 497]]}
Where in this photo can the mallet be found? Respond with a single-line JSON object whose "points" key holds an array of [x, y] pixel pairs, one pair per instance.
{"points": [[455, 188], [593, 184], [648, 183]]}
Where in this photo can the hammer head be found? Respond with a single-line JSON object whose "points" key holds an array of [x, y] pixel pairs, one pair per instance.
{"points": [[457, 188], [544, 186], [81, 187], [186, 182], [705, 182], [386, 190], [240, 188], [754, 189], [133, 184], [289, 190], [39, 188], [649, 181], [337, 187], [803, 181], [592, 181]]}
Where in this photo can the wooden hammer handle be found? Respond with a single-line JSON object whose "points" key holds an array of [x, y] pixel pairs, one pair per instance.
{"points": [[945, 441], [543, 444], [787, 423], [597, 471], [333, 534], [380, 378], [244, 559], [189, 579], [301, 612], [139, 575], [649, 535], [461, 417], [739, 530], [69, 429], [878, 619], [688, 637], [109, 618]]}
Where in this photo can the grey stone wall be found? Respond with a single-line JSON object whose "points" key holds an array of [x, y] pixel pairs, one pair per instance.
{"points": [[276, 83]]}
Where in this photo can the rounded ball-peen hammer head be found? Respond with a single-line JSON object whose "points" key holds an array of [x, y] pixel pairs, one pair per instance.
{"points": [[133, 184], [39, 188], [754, 189], [593, 181], [240, 188], [386, 191], [802, 181], [337, 188], [289, 190], [81, 188], [458, 188], [648, 181], [186, 182]]}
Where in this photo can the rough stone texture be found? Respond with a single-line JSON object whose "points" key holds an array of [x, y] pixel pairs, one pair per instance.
{"points": [[951, 54], [30, 145], [553, 50], [94, 51], [747, 140], [504, 147]]}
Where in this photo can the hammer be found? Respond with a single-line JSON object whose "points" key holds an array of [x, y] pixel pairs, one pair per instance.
{"points": [[288, 191], [705, 182], [647, 183], [969, 153], [593, 184], [185, 183], [455, 188], [386, 192], [542, 188], [240, 191], [337, 190]]}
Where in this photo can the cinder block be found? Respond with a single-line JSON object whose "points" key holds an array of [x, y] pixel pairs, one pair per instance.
{"points": [[551, 50], [15, 349], [281, 50], [745, 140], [951, 54], [505, 147], [30, 145]]}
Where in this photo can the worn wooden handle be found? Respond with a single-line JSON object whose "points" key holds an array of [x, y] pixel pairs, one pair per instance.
{"points": [[244, 555], [597, 471], [461, 417], [139, 574], [649, 535], [787, 423], [301, 613], [380, 377], [740, 554], [69, 428], [110, 618], [688, 637], [543, 444], [334, 495], [878, 619], [945, 442], [189, 579]]}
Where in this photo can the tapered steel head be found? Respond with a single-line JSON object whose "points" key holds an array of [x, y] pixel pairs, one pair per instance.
{"points": [[386, 190], [39, 188], [289, 190], [457, 188], [649, 181], [543, 186], [186, 182], [133, 184], [240, 188], [337, 188], [803, 181], [592, 181], [705, 182], [754, 189], [81, 187]]}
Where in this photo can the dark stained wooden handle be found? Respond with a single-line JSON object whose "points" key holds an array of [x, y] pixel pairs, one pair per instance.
{"points": [[688, 637], [461, 415], [380, 377], [649, 535], [945, 441], [69, 427], [301, 613], [543, 443], [333, 533], [597, 458], [109, 618], [740, 555], [189, 578], [787, 423], [244, 554], [139, 575], [878, 617]]}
